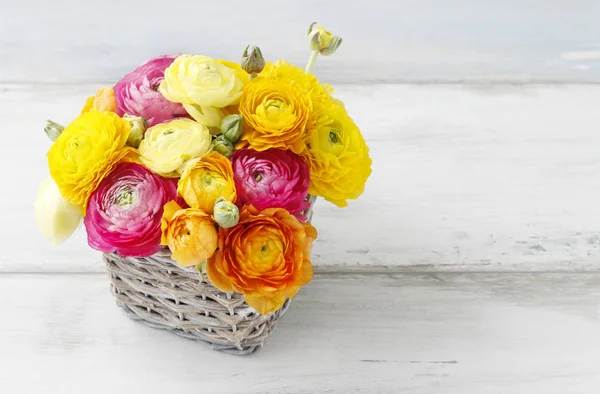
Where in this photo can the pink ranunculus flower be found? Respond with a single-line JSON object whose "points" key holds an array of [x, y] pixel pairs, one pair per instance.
{"points": [[271, 179], [137, 94], [124, 213]]}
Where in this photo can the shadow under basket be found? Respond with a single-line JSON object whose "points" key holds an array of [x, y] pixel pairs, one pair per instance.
{"points": [[157, 292]]}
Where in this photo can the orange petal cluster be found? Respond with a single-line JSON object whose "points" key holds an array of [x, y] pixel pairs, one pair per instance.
{"points": [[266, 257]]}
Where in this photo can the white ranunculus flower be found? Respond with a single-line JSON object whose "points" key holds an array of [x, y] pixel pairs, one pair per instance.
{"points": [[56, 218], [201, 80], [204, 86], [167, 146]]}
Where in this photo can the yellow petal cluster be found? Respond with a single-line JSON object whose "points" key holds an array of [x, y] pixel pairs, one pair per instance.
{"points": [[86, 151], [205, 86], [189, 233], [338, 157], [276, 111], [205, 180], [166, 147], [319, 94]]}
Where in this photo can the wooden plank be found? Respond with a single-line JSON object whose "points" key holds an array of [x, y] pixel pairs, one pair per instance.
{"points": [[481, 177], [384, 41], [442, 333]]}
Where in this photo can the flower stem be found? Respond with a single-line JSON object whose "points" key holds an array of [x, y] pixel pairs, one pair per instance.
{"points": [[311, 62]]}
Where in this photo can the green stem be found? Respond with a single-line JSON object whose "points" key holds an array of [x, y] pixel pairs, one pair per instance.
{"points": [[311, 62]]}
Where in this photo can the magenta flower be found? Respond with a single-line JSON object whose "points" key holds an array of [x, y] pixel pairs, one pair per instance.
{"points": [[124, 214], [271, 179], [137, 94]]}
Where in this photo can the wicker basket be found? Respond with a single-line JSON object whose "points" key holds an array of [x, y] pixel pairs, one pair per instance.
{"points": [[157, 292]]}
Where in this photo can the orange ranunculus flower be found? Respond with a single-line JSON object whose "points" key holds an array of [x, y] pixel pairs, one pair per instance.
{"points": [[266, 257], [206, 179], [189, 233], [103, 101], [276, 111]]}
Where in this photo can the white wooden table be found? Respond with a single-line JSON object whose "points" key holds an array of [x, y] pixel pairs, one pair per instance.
{"points": [[467, 333]]}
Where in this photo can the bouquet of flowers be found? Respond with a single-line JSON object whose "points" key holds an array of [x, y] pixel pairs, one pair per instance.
{"points": [[217, 161]]}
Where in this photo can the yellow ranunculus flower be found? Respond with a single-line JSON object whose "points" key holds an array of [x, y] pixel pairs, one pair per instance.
{"points": [[189, 233], [204, 86], [205, 180], [104, 100], [167, 146], [56, 217], [319, 94], [86, 152], [276, 111], [338, 157]]}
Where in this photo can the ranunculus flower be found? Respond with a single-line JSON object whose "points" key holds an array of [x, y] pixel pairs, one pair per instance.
{"points": [[338, 157], [137, 93], [167, 146], [271, 179], [204, 86], [56, 217], [205, 180], [266, 257], [276, 111], [189, 233], [124, 214], [319, 94], [86, 152], [104, 100]]}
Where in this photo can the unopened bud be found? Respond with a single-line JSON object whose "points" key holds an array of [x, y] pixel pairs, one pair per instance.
{"points": [[138, 128], [322, 40], [232, 127], [53, 129], [253, 61], [223, 146], [226, 213]]}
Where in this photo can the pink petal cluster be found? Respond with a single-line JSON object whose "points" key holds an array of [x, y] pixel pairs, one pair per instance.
{"points": [[137, 93], [124, 213], [271, 179]]}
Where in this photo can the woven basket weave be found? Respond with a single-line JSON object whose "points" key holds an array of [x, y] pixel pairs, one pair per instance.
{"points": [[156, 291]]}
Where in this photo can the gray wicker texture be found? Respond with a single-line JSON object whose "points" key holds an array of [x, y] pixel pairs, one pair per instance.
{"points": [[157, 292]]}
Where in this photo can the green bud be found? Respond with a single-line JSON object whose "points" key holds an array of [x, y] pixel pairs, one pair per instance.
{"points": [[253, 61], [331, 48], [223, 146], [226, 213], [201, 267], [322, 40], [53, 129], [138, 128], [232, 127]]}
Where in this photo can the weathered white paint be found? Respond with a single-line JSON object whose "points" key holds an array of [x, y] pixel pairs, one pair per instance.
{"points": [[385, 41], [422, 334], [476, 177]]}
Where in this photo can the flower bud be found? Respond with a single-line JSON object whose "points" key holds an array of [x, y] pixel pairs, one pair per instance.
{"points": [[55, 217], [53, 129], [319, 39], [201, 267], [252, 60], [223, 146], [226, 213], [138, 128], [331, 48], [232, 127]]}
